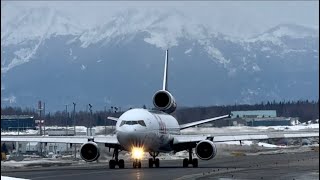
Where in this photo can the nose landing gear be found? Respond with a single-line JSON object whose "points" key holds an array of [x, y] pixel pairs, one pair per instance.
{"points": [[136, 163]]}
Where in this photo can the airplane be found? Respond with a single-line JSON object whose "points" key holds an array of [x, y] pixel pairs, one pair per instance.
{"points": [[154, 131]]}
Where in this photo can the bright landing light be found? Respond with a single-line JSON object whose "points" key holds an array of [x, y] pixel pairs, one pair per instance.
{"points": [[137, 153]]}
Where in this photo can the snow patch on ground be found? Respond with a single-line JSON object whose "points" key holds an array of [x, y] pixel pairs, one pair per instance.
{"points": [[27, 132], [10, 178], [43, 162], [245, 129]]}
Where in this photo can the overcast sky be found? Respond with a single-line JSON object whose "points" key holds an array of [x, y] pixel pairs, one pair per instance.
{"points": [[238, 18]]}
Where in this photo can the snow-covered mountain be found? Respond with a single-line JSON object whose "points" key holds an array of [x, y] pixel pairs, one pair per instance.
{"points": [[48, 55]]}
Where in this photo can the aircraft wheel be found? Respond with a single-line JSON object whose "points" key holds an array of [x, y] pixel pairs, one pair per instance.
{"points": [[157, 162], [195, 163], [134, 164], [150, 162], [185, 162], [112, 164], [121, 163], [139, 164]]}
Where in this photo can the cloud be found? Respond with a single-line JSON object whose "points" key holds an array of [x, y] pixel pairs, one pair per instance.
{"points": [[243, 19]]}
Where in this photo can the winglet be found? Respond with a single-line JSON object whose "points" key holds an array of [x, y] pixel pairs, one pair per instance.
{"points": [[165, 73], [113, 118]]}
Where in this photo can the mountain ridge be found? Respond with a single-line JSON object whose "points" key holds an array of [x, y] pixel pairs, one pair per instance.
{"points": [[206, 67]]}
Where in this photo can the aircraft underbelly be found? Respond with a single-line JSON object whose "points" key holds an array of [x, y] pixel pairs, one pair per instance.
{"points": [[150, 141], [143, 139]]}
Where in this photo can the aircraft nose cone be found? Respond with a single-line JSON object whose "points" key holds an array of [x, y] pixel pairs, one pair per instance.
{"points": [[127, 129], [130, 137]]}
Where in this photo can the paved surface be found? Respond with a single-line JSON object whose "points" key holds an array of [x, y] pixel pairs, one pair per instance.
{"points": [[302, 165]]}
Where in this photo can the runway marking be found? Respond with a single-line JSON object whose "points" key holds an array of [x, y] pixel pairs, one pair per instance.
{"points": [[66, 175]]}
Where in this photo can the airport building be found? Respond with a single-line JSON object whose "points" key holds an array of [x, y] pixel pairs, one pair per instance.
{"points": [[17, 122], [35, 148], [254, 114], [261, 118], [69, 131]]}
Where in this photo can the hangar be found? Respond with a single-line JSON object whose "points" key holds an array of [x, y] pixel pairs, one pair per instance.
{"points": [[17, 122]]}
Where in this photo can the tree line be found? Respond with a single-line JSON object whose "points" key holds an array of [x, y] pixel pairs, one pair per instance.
{"points": [[305, 110]]}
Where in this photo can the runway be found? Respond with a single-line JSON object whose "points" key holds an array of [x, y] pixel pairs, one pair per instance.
{"points": [[299, 165]]}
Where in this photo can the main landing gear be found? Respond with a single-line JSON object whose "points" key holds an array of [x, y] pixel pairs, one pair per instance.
{"points": [[193, 161], [154, 161], [116, 161]]}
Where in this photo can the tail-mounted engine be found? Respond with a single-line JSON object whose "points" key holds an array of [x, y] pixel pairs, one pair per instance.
{"points": [[164, 101], [89, 151], [206, 150]]}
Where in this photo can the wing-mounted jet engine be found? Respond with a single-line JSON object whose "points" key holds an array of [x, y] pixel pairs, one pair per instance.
{"points": [[206, 150], [89, 151]]}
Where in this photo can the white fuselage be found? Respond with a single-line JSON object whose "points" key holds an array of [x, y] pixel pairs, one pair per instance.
{"points": [[152, 130]]}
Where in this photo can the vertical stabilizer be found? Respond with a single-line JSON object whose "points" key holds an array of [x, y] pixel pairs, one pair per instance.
{"points": [[163, 99], [165, 73]]}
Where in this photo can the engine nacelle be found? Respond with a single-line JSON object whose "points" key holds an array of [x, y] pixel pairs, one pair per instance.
{"points": [[164, 101], [206, 150], [89, 151]]}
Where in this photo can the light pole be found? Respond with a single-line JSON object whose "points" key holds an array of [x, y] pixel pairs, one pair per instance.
{"points": [[67, 125], [40, 117], [90, 108], [67, 119], [40, 109], [44, 120], [74, 128], [105, 120], [18, 125], [74, 118]]}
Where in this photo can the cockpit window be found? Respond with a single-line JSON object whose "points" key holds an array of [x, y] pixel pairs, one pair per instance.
{"points": [[140, 122], [131, 122]]}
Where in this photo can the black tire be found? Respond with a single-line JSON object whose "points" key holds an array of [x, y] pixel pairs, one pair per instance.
{"points": [[134, 165], [157, 163], [112, 164], [121, 163], [150, 163], [139, 164], [185, 162], [195, 163]]}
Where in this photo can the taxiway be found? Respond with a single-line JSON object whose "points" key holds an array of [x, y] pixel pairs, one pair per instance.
{"points": [[296, 165]]}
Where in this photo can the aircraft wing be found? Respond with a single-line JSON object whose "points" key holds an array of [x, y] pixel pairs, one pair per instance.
{"points": [[109, 141], [183, 142], [263, 136], [113, 118], [184, 126]]}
